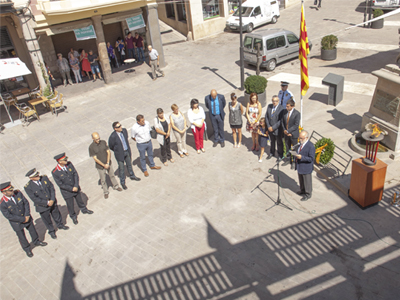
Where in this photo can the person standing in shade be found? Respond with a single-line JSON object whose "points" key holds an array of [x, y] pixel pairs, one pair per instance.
{"points": [[15, 208], [74, 62], [129, 45], [197, 117], [163, 128], [215, 103], [119, 44], [284, 94], [85, 64], [235, 120], [42, 193], [138, 44], [305, 165], [178, 124], [67, 179], [273, 118], [118, 143], [154, 62], [290, 127], [140, 133], [101, 154], [64, 69], [111, 55], [94, 65]]}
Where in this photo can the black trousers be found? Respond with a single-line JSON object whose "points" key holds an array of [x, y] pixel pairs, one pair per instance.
{"points": [[315, 3], [52, 212], [305, 181], [289, 142], [166, 150], [70, 205], [276, 139], [32, 231]]}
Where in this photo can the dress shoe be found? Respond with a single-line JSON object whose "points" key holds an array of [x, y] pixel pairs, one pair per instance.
{"points": [[105, 196], [53, 235], [135, 178], [222, 144], [87, 211], [119, 189], [63, 227], [155, 168], [305, 198], [42, 244], [269, 156], [75, 221], [300, 193], [124, 186], [29, 253], [146, 174], [215, 144]]}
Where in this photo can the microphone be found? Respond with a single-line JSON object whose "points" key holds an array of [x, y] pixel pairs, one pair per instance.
{"points": [[298, 144]]}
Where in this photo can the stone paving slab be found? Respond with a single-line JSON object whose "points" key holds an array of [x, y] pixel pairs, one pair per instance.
{"points": [[200, 228]]}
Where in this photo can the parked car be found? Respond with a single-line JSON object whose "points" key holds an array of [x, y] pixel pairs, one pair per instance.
{"points": [[386, 4], [254, 13], [276, 46]]}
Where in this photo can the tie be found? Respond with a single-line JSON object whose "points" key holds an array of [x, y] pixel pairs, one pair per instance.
{"points": [[301, 147], [282, 99], [12, 198], [214, 109], [123, 141], [273, 111], [287, 121]]}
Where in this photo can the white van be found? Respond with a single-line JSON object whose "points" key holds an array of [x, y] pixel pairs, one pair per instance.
{"points": [[386, 4], [254, 13]]}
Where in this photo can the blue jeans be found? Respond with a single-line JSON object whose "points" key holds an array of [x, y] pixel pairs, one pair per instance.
{"points": [[139, 54], [142, 148], [131, 53], [95, 69], [121, 168], [218, 126]]}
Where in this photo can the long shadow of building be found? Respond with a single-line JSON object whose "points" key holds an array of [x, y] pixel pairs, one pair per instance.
{"points": [[327, 257]]}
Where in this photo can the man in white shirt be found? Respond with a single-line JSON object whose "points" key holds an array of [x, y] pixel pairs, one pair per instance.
{"points": [[154, 62], [140, 133]]}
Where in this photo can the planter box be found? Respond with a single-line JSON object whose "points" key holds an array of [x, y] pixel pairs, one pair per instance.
{"points": [[328, 54], [377, 24], [262, 98]]}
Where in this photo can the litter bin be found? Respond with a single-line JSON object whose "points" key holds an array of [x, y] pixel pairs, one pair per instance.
{"points": [[335, 83]]}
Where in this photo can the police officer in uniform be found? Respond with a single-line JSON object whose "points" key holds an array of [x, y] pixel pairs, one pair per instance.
{"points": [[67, 180], [42, 193], [15, 208], [284, 94]]}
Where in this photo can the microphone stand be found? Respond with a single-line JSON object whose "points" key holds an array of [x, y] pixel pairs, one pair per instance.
{"points": [[278, 162]]}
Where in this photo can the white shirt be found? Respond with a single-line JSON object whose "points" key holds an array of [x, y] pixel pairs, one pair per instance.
{"points": [[141, 133], [196, 118], [302, 146], [153, 54]]}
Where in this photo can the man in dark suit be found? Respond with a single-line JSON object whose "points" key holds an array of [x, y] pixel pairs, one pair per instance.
{"points": [[42, 193], [305, 165], [67, 179], [290, 127], [118, 143], [273, 118], [215, 103], [15, 208]]}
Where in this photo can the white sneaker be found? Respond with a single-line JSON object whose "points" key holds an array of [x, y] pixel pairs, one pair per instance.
{"points": [[260, 160]]}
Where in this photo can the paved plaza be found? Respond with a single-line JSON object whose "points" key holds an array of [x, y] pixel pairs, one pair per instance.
{"points": [[206, 226]]}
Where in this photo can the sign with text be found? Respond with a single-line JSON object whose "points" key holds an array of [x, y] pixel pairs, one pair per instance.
{"points": [[135, 22], [85, 33]]}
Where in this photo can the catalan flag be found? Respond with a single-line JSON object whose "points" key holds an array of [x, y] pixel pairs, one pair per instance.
{"points": [[303, 52]]}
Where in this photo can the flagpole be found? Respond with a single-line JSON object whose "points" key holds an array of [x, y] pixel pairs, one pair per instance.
{"points": [[301, 91]]}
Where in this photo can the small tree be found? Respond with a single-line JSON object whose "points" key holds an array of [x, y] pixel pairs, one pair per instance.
{"points": [[329, 42], [48, 91], [255, 84]]}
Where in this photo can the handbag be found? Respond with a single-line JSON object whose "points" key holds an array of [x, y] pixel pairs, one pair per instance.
{"points": [[153, 132]]}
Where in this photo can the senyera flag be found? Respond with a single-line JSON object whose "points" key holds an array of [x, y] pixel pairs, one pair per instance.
{"points": [[303, 52]]}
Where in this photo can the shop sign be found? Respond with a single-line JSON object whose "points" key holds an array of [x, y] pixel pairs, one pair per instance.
{"points": [[135, 22], [85, 33]]}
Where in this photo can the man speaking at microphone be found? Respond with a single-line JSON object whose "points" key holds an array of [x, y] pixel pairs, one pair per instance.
{"points": [[305, 165]]}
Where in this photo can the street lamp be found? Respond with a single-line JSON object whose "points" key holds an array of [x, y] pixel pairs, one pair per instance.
{"points": [[241, 48]]}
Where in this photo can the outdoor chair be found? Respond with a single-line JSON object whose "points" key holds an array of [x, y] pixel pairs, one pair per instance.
{"points": [[58, 104], [26, 112], [36, 93]]}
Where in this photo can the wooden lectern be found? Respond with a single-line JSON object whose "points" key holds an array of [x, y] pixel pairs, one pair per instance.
{"points": [[366, 184]]}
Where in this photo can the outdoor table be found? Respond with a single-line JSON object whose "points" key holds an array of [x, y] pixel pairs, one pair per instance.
{"points": [[37, 101], [129, 61], [20, 92]]}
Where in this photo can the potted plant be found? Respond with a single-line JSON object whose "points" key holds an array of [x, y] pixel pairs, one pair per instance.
{"points": [[255, 84], [328, 47], [379, 23]]}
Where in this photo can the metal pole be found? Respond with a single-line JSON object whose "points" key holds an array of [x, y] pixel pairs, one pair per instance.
{"points": [[241, 48]]}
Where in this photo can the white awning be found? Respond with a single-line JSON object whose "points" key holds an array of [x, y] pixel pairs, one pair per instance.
{"points": [[12, 67]]}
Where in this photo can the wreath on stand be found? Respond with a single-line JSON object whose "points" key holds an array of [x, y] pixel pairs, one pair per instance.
{"points": [[324, 150]]}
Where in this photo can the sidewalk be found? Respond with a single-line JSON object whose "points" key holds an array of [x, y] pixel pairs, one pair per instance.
{"points": [[206, 226]]}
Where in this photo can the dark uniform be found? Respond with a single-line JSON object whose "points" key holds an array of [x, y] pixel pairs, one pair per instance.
{"points": [[67, 178], [15, 208], [41, 192]]}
